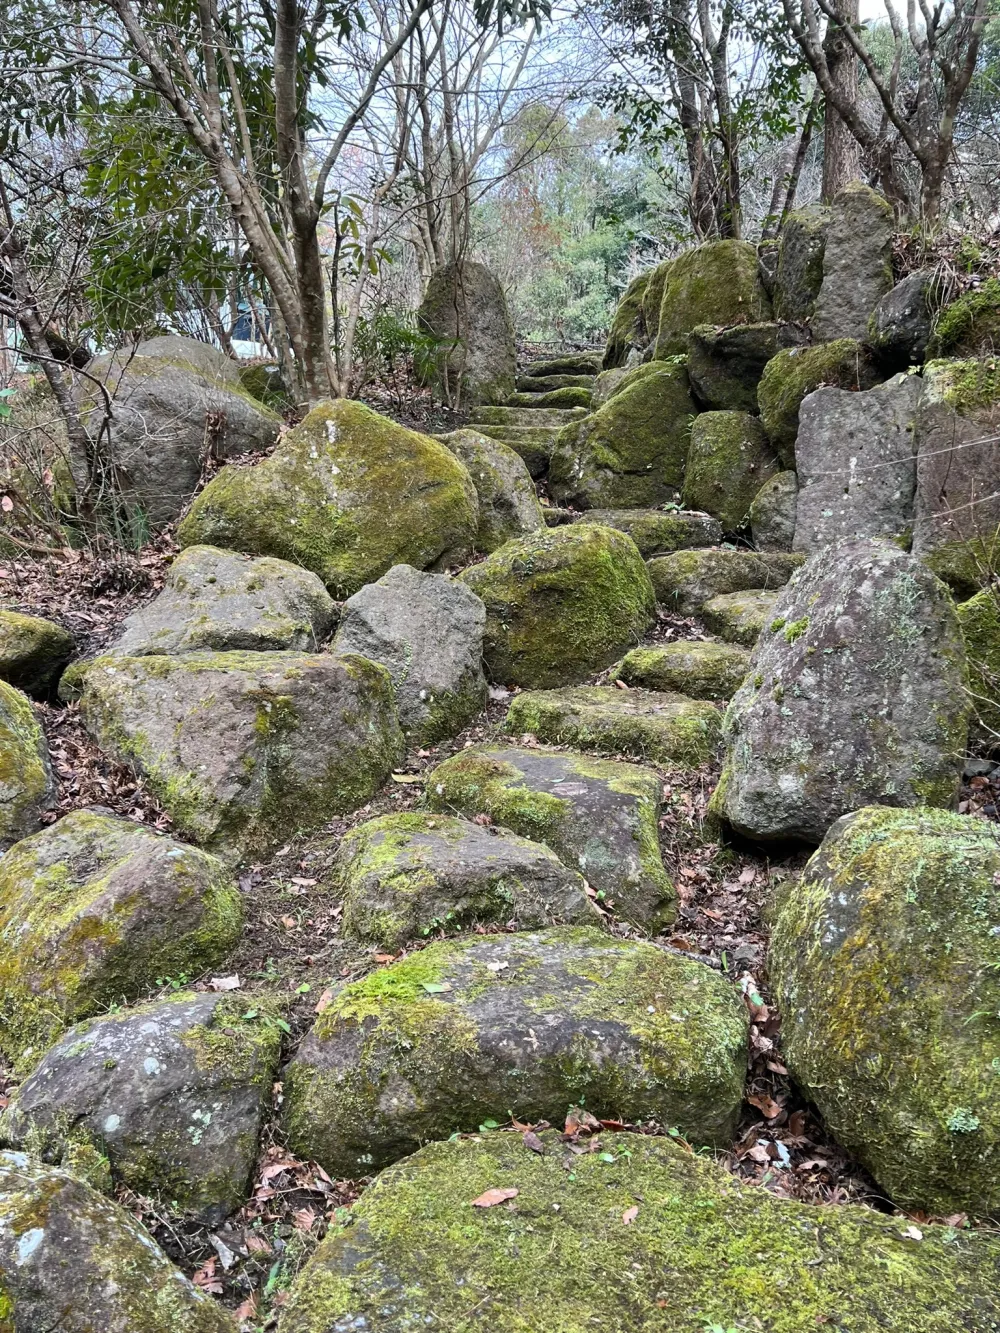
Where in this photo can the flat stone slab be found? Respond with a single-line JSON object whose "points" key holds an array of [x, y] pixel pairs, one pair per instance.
{"points": [[739, 617], [554, 398], [526, 416], [700, 670], [599, 816], [574, 363], [655, 531], [664, 728], [685, 580], [546, 383], [533, 444], [526, 1025]]}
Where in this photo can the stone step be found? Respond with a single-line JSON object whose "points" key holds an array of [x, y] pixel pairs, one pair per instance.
{"points": [[556, 517], [556, 398], [525, 416], [656, 531], [701, 669], [739, 617], [533, 443], [573, 363], [547, 383]]}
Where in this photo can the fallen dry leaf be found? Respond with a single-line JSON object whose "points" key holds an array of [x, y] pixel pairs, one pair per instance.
{"points": [[324, 1001], [490, 1198], [224, 983], [630, 1214], [532, 1141], [766, 1104]]}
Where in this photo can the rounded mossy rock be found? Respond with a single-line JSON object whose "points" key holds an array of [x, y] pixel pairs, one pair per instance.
{"points": [[685, 580], [970, 325], [72, 1259], [599, 816], [886, 962], [27, 787], [772, 513], [729, 458], [404, 876], [628, 331], [508, 501], [656, 531], [244, 750], [701, 670], [979, 619], [475, 355], [561, 604], [799, 274], [265, 383], [33, 652], [640, 1233], [630, 453], [900, 327], [522, 1025], [797, 371], [716, 283], [170, 1094], [725, 365], [558, 398], [857, 693], [93, 911], [662, 727], [739, 617], [348, 494], [611, 382]]}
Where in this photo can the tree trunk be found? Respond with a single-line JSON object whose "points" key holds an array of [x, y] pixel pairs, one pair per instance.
{"points": [[841, 152]]}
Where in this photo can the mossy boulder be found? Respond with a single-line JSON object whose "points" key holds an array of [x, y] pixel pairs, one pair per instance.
{"points": [[799, 273], [411, 875], [716, 283], [631, 452], [92, 911], [652, 298], [508, 502], [970, 325], [797, 371], [857, 693], [886, 963], [464, 309], [599, 816], [703, 1251], [33, 652], [532, 444], [554, 398], [243, 750], [857, 263], [71, 1259], [739, 617], [656, 531], [979, 619], [171, 1094], [725, 365], [27, 788], [520, 1025], [685, 580], [265, 383], [772, 513], [729, 458], [664, 728], [610, 382], [957, 524], [701, 670], [561, 604], [628, 332], [347, 494]]}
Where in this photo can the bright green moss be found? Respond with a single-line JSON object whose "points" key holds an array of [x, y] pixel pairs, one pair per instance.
{"points": [[26, 786], [730, 458], [797, 371], [796, 629], [968, 386], [717, 283], [699, 670], [969, 326], [979, 619], [628, 328]]}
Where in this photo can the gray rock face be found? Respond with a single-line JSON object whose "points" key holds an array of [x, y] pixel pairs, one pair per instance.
{"points": [[799, 274], [857, 263], [900, 326], [172, 1093], [686, 580], [524, 1024], [221, 600], [508, 502], [209, 360], [856, 459], [403, 876], [599, 816], [72, 1260], [772, 513], [856, 694], [465, 307], [33, 652], [427, 630]]}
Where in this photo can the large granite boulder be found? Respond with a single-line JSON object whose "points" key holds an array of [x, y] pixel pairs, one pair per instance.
{"points": [[347, 494], [465, 310], [599, 816], [729, 459], [27, 787], [92, 912], [856, 694], [797, 371], [245, 749], [970, 325], [656, 531], [716, 283], [427, 630], [176, 402], [631, 452], [639, 1233], [725, 365], [404, 876], [629, 332], [701, 670], [74, 1261], [900, 327], [171, 1094], [772, 513], [561, 604], [979, 619], [958, 463], [857, 263], [685, 580], [33, 652], [799, 274], [519, 1025], [508, 501], [886, 964], [856, 460]]}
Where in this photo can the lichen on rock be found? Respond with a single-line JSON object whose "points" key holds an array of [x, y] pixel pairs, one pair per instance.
{"points": [[797, 371]]}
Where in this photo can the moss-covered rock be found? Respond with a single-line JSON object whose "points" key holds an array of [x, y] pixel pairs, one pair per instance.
{"points": [[266, 385], [464, 309], [410, 875], [508, 502], [701, 670], [516, 1025], [970, 325], [599, 816], [656, 531], [170, 1094], [979, 619], [704, 1251], [561, 604], [569, 363], [772, 513], [739, 617], [347, 494], [886, 961], [652, 298], [566, 397], [33, 652], [729, 458], [27, 788], [725, 365], [532, 444], [546, 383], [245, 749], [92, 911], [662, 727], [628, 328], [796, 371], [900, 327], [72, 1260], [857, 263], [799, 274], [717, 283], [610, 382], [686, 580], [631, 452]]}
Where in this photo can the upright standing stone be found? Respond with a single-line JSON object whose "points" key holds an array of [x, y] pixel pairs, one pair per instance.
{"points": [[772, 513], [628, 329], [857, 264], [465, 309], [800, 262], [27, 788]]}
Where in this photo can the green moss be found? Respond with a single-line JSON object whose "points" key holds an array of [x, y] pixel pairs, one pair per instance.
{"points": [[796, 629], [628, 328], [739, 617], [699, 670], [652, 298], [686, 580], [979, 619], [717, 283], [730, 458], [969, 326], [32, 651], [25, 778], [565, 397], [800, 262], [967, 386], [797, 371]]}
